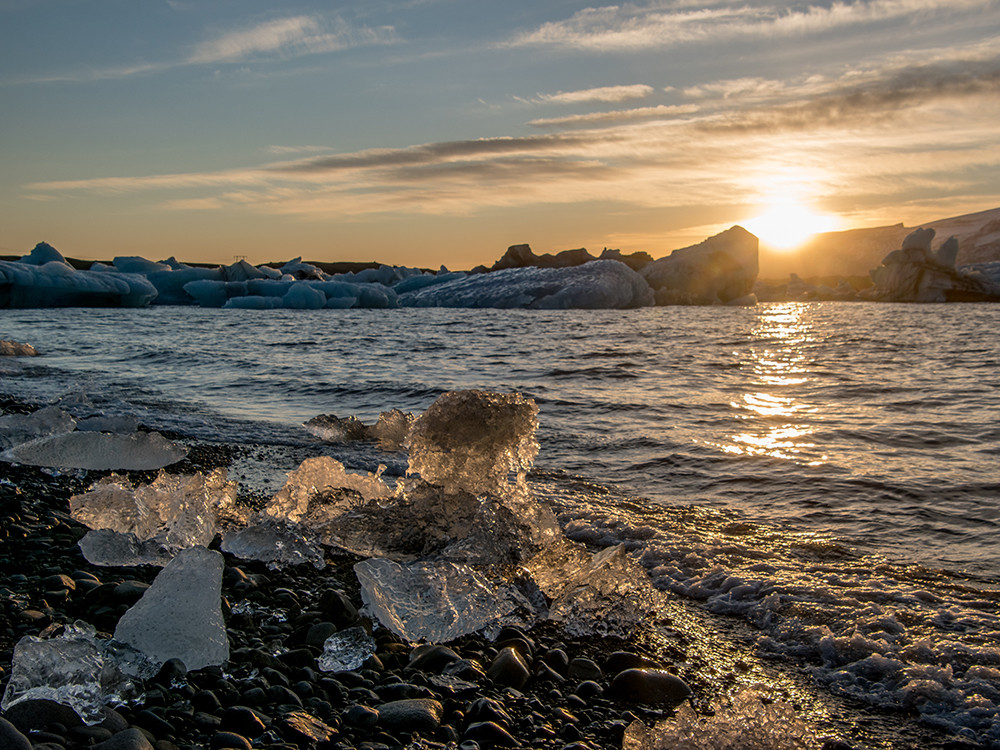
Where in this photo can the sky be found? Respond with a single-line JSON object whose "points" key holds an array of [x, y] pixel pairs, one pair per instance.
{"points": [[439, 132]]}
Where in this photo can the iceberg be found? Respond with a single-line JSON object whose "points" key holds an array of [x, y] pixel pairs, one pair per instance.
{"points": [[151, 523], [75, 669], [601, 284], [180, 615], [98, 451], [16, 349], [43, 278], [438, 601]]}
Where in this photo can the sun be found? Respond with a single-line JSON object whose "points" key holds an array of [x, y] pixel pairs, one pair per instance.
{"points": [[787, 224]]}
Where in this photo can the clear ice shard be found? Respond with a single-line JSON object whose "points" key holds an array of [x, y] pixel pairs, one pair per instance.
{"points": [[180, 615], [745, 723], [149, 524], [472, 440], [438, 601], [16, 429], [346, 650], [321, 489], [75, 669], [275, 541], [139, 451], [16, 349], [607, 594]]}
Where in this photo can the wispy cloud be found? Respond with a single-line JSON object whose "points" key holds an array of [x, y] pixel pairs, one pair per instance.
{"points": [[620, 115], [661, 24], [601, 94], [282, 38]]}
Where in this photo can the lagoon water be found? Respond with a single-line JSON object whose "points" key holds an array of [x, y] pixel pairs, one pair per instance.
{"points": [[825, 472]]}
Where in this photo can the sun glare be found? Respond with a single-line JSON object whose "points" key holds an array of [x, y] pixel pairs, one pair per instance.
{"points": [[786, 225]]}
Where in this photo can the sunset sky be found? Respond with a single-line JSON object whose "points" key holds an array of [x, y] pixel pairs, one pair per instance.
{"points": [[429, 132]]}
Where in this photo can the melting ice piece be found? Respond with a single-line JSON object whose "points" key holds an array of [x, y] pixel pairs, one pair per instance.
{"points": [[346, 650], [75, 669], [321, 489], [99, 450], [155, 520], [117, 425], [745, 722], [22, 428], [438, 601], [472, 440], [180, 615], [16, 349], [609, 596], [276, 541], [390, 431]]}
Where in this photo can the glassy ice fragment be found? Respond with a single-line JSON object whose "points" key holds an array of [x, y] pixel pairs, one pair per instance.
{"points": [[22, 428], [437, 601], [321, 489], [611, 595], [75, 669], [392, 429], [99, 451], [117, 425], [171, 513], [276, 541], [744, 722], [16, 349], [333, 429], [180, 615], [472, 440], [346, 650]]}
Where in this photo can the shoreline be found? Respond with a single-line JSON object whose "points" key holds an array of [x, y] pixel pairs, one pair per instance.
{"points": [[553, 709]]}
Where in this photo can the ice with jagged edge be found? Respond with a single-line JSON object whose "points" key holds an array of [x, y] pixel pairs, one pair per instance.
{"points": [[438, 601], [601, 284], [16, 429], [275, 541], [149, 524], [139, 451], [346, 650], [390, 431], [747, 722], [607, 594], [10, 348], [180, 615], [76, 669]]}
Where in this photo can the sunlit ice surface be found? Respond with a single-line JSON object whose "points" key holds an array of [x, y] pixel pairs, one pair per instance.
{"points": [[773, 412]]}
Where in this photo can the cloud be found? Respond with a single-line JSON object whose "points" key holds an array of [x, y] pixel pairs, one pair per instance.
{"points": [[659, 24], [602, 94], [620, 115], [282, 38]]}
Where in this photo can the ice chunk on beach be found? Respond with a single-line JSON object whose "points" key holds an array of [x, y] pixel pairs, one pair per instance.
{"points": [[276, 541], [99, 450], [16, 429], [16, 349], [472, 440], [609, 595], [321, 489], [601, 284], [75, 669], [117, 425], [150, 523], [390, 431], [745, 723], [180, 615], [437, 601], [346, 650]]}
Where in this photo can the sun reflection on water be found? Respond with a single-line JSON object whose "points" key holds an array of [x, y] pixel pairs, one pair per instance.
{"points": [[772, 411]]}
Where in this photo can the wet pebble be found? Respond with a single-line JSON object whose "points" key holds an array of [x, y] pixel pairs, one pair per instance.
{"points": [[11, 738], [652, 686], [509, 669], [413, 715]]}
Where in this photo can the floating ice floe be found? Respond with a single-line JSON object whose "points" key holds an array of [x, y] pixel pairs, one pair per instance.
{"points": [[16, 349], [149, 524], [75, 669], [98, 450], [438, 601], [180, 615], [346, 650], [745, 723]]}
